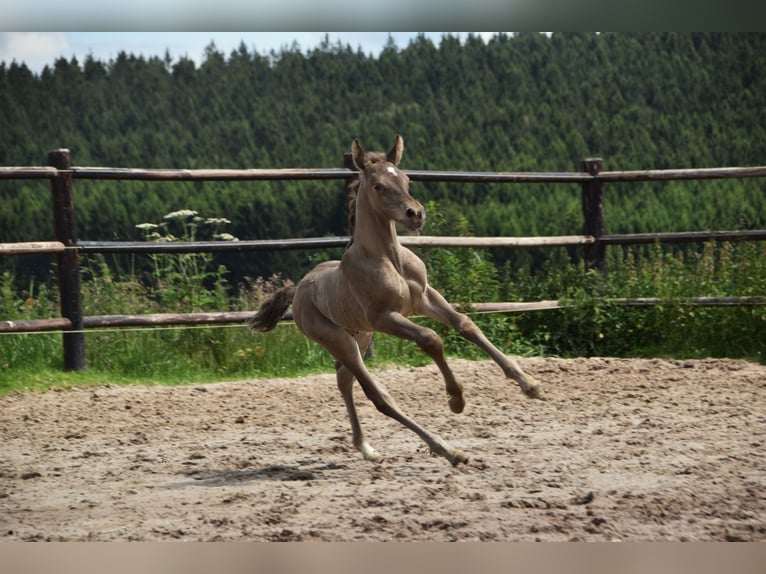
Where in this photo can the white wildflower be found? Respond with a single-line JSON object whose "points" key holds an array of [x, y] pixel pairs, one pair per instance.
{"points": [[216, 220], [180, 214], [147, 226], [225, 237]]}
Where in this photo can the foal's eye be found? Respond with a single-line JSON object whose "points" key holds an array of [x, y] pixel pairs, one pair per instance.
{"points": [[377, 187]]}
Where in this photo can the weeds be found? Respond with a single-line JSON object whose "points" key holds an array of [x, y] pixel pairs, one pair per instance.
{"points": [[185, 282]]}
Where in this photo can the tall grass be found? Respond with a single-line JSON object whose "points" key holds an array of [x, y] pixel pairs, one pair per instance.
{"points": [[591, 325], [587, 325]]}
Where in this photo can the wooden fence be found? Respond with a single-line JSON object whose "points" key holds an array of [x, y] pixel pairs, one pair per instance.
{"points": [[68, 247]]}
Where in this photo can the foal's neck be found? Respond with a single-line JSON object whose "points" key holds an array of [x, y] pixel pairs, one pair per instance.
{"points": [[375, 234]]}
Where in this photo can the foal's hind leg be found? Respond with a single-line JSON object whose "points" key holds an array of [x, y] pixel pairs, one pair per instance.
{"points": [[436, 307], [346, 387]]}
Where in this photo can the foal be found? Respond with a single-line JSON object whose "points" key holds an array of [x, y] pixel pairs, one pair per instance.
{"points": [[376, 285]]}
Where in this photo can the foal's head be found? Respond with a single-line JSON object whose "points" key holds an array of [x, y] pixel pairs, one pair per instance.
{"points": [[386, 186]]}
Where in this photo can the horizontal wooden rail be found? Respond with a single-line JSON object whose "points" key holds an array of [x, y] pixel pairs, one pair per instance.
{"points": [[681, 174], [210, 174], [237, 317], [232, 317], [323, 242], [513, 307], [580, 177], [35, 325], [753, 301], [106, 321], [28, 172], [446, 241], [32, 247], [164, 319], [210, 246], [683, 237], [417, 241], [40, 247], [415, 175]]}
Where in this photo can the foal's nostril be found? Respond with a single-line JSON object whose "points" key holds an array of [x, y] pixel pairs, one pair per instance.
{"points": [[412, 214]]}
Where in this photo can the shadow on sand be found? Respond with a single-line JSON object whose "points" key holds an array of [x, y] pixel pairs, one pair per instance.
{"points": [[228, 477]]}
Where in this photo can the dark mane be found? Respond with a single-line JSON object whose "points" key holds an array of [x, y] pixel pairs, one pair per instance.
{"points": [[351, 190]]}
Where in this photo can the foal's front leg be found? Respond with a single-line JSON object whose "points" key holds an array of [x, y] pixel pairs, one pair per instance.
{"points": [[398, 325], [435, 306]]}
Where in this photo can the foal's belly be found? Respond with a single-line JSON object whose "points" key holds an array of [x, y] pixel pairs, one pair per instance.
{"points": [[354, 308]]}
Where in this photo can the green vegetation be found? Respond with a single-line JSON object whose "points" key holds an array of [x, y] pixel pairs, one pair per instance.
{"points": [[586, 326], [527, 102]]}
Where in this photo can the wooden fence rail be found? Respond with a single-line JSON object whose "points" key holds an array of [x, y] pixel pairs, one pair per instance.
{"points": [[594, 239], [50, 172]]}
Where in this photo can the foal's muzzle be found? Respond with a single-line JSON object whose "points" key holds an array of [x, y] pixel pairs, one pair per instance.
{"points": [[414, 218]]}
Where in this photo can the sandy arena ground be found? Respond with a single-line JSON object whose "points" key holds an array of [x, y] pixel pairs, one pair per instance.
{"points": [[620, 450]]}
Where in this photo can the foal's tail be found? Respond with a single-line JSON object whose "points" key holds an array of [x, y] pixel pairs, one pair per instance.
{"points": [[272, 311]]}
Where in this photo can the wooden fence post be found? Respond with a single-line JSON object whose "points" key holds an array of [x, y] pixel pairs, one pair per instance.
{"points": [[68, 260], [593, 215]]}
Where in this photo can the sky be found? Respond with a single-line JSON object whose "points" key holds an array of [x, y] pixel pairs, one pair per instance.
{"points": [[38, 32], [38, 49]]}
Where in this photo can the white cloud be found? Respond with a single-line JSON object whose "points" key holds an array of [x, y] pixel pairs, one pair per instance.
{"points": [[35, 49]]}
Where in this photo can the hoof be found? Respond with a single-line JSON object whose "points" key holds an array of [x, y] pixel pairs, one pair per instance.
{"points": [[458, 457], [370, 453], [457, 404], [374, 458], [534, 392]]}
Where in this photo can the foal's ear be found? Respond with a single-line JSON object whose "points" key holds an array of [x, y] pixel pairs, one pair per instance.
{"points": [[357, 154], [394, 155]]}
